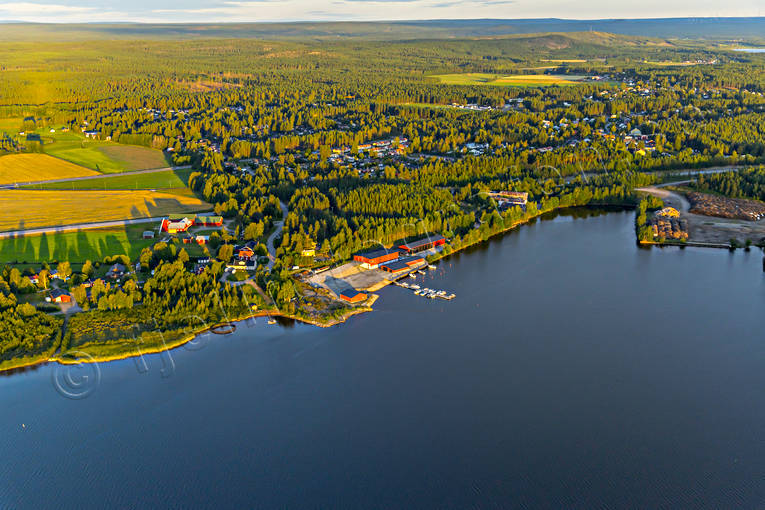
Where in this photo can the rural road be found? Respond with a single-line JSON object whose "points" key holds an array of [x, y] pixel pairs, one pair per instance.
{"points": [[677, 200], [79, 226], [90, 177], [277, 230]]}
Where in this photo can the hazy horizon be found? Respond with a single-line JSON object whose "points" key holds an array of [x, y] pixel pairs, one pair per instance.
{"points": [[268, 11]]}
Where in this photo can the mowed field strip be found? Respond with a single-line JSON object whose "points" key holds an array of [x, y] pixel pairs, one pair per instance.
{"points": [[146, 179], [513, 80], [77, 246], [38, 167], [33, 209]]}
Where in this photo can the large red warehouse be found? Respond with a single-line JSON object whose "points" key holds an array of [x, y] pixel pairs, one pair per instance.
{"points": [[372, 259], [425, 243]]}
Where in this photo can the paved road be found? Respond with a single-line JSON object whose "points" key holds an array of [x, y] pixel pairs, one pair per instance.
{"points": [[79, 226], [277, 230], [89, 177]]}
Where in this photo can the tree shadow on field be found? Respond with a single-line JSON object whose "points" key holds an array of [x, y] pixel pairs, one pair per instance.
{"points": [[43, 253]]}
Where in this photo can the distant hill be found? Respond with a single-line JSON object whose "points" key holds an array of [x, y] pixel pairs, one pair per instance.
{"points": [[752, 29]]}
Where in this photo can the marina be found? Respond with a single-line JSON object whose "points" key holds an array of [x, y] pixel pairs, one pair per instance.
{"points": [[425, 292]]}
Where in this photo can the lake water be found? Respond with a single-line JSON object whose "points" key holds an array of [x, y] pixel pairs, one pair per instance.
{"points": [[573, 370], [751, 50]]}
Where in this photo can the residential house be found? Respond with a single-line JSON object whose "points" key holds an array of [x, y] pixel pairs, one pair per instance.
{"points": [[59, 296]]}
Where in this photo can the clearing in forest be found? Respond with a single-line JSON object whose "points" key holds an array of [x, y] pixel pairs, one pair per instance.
{"points": [[513, 80]]}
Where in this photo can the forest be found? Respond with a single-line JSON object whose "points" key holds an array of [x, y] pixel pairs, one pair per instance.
{"points": [[749, 183]]}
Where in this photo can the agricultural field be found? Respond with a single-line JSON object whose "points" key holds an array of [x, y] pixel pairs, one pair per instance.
{"points": [[76, 246], [134, 157], [23, 209], [102, 156], [166, 179], [10, 126], [513, 80], [38, 167]]}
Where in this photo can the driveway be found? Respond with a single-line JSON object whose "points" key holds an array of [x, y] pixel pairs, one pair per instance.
{"points": [[278, 225]]}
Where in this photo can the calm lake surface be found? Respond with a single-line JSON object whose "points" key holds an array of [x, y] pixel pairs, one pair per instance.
{"points": [[573, 370]]}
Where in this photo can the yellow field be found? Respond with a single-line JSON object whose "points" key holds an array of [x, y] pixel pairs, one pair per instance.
{"points": [[671, 64], [38, 167], [23, 209]]}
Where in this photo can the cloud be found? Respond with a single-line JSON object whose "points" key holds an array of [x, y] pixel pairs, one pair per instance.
{"points": [[350, 10], [25, 8], [215, 11], [58, 13]]}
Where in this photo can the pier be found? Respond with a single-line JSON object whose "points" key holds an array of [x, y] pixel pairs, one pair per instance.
{"points": [[425, 292]]}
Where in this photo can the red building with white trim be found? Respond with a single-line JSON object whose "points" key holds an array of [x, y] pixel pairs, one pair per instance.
{"points": [[423, 244], [372, 259]]}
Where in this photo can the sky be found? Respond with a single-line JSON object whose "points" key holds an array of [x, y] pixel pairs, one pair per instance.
{"points": [[76, 11]]}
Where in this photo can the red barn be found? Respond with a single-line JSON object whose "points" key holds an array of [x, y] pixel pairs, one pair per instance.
{"points": [[173, 226], [210, 221]]}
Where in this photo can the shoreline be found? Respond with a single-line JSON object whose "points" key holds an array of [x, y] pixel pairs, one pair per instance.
{"points": [[690, 244], [277, 313], [180, 342]]}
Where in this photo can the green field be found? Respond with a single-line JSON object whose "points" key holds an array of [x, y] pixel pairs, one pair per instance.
{"points": [[513, 80], [77, 246], [425, 105], [105, 157], [167, 180], [10, 126]]}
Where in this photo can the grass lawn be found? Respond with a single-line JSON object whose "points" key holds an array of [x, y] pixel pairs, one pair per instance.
{"points": [[23, 209], [105, 157], [514, 80], [168, 179], [38, 167], [76, 247]]}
